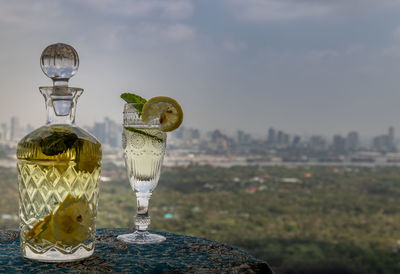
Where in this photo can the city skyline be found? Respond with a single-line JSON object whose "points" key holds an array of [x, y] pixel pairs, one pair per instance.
{"points": [[317, 67], [191, 146], [108, 131]]}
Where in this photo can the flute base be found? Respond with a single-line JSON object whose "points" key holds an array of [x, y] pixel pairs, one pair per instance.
{"points": [[141, 237]]}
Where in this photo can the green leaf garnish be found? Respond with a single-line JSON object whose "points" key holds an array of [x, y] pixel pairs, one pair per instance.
{"points": [[58, 142], [131, 98]]}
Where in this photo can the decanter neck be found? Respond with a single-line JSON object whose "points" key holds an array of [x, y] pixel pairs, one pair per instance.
{"points": [[60, 103]]}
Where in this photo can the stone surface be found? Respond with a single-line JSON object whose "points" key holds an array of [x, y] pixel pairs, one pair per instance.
{"points": [[178, 254]]}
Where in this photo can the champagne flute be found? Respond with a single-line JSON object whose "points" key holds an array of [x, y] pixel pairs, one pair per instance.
{"points": [[144, 148]]}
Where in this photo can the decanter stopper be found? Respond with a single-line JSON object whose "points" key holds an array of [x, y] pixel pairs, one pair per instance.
{"points": [[59, 62]]}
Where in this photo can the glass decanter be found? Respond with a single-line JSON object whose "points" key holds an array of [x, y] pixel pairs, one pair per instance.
{"points": [[58, 171]]}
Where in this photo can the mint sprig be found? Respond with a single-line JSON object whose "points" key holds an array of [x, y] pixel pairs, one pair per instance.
{"points": [[58, 142], [131, 98]]}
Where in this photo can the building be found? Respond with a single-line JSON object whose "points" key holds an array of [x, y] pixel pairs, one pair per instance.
{"points": [[107, 132], [14, 129], [113, 133], [338, 145], [317, 143], [243, 138], [99, 131], [271, 137], [4, 132], [352, 141], [385, 143]]}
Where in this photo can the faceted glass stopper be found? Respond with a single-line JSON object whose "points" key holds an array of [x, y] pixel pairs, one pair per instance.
{"points": [[59, 62]]}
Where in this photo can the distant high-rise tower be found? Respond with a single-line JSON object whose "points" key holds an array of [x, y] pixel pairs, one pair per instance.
{"points": [[99, 131], [14, 128], [391, 135], [352, 141], [285, 139], [317, 143], [240, 136], [271, 137], [196, 134], [296, 141], [4, 132], [113, 132], [391, 143], [279, 138], [391, 132], [243, 138], [385, 143], [179, 132], [338, 145], [107, 132]]}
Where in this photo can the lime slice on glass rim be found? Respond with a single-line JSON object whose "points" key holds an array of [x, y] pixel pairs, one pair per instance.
{"points": [[166, 109]]}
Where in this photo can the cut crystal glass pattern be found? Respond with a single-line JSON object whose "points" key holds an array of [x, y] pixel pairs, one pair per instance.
{"points": [[42, 190]]}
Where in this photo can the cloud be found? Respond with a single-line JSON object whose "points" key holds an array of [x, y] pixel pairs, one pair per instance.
{"points": [[109, 24], [276, 10], [169, 9], [288, 10], [157, 34], [394, 49], [319, 55], [396, 34], [179, 32], [28, 14], [21, 12], [234, 46]]}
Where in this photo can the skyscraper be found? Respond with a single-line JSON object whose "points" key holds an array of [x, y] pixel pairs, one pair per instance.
{"points": [[385, 143], [243, 138], [352, 141], [99, 131], [113, 132], [317, 143], [338, 145], [391, 142], [271, 137], [14, 128], [296, 141], [4, 132]]}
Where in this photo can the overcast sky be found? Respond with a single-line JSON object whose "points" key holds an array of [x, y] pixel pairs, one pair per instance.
{"points": [[303, 66]]}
